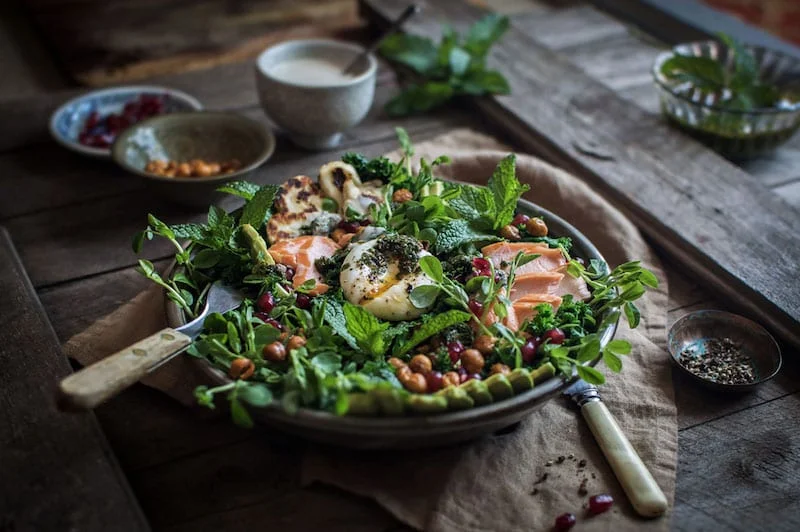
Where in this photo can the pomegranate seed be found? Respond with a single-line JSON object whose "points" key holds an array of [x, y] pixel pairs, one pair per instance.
{"points": [[303, 301], [263, 316], [529, 350], [463, 378], [565, 522], [350, 227], [289, 273], [275, 323], [266, 302], [474, 377], [555, 336], [476, 307], [520, 219], [434, 380], [454, 349], [600, 503], [482, 266], [91, 121]]}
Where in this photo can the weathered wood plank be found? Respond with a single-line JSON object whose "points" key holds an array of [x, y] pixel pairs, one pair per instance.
{"points": [[790, 192], [667, 183], [58, 471], [569, 27], [740, 473]]}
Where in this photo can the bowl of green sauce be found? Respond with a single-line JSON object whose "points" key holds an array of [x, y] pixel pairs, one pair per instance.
{"points": [[742, 101]]}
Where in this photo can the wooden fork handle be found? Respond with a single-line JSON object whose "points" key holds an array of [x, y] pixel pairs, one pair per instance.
{"points": [[106, 378]]}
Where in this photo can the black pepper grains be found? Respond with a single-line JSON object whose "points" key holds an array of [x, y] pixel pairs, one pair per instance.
{"points": [[722, 362]]}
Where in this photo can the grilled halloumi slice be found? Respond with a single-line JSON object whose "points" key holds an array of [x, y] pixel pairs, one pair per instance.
{"points": [[359, 198], [297, 203], [334, 178]]}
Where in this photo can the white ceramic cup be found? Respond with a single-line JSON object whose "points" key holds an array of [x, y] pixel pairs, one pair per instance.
{"points": [[315, 115]]}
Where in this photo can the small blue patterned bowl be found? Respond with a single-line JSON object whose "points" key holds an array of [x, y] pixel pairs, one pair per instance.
{"points": [[68, 120]]}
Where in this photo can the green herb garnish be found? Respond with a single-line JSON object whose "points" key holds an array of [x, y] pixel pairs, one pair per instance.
{"points": [[457, 65]]}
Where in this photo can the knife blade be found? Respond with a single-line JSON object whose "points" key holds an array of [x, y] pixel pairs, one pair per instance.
{"points": [[104, 379], [641, 488]]}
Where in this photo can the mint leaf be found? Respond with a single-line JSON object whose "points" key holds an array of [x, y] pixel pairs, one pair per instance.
{"points": [[459, 61], [475, 204], [189, 231], [480, 82], [366, 329], [420, 98], [256, 210], [506, 189], [243, 189], [417, 53], [745, 70], [703, 73], [485, 32], [434, 326], [457, 233], [333, 313]]}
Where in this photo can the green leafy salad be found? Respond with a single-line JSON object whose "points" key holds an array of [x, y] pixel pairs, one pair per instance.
{"points": [[378, 289]]}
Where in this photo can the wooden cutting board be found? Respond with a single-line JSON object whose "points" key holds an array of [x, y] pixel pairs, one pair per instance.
{"points": [[58, 470]]}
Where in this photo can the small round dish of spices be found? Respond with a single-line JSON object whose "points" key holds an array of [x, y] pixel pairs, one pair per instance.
{"points": [[723, 351]]}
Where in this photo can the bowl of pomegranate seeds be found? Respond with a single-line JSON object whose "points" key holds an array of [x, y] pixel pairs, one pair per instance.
{"points": [[90, 124]]}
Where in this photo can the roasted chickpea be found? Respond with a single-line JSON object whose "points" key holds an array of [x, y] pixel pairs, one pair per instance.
{"points": [[215, 168], [536, 227], [295, 342], [420, 364], [275, 352], [500, 368], [170, 172], [396, 363], [424, 349], [203, 170], [415, 383], [241, 368], [403, 373], [485, 344], [509, 232], [184, 170], [451, 378], [472, 361], [402, 195]]}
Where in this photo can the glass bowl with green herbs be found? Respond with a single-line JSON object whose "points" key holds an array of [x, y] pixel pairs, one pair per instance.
{"points": [[742, 101]]}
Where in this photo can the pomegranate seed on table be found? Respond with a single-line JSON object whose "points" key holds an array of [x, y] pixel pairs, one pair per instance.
{"points": [[303, 301], [555, 336], [434, 380], [600, 503], [266, 302], [565, 522], [520, 219], [529, 349]]}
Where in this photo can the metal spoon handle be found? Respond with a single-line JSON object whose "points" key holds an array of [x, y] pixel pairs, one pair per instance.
{"points": [[409, 12]]}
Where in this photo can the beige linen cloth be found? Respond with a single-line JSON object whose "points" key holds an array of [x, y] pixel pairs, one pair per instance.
{"points": [[520, 480]]}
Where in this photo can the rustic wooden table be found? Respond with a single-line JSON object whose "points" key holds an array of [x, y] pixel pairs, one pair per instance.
{"points": [[71, 220]]}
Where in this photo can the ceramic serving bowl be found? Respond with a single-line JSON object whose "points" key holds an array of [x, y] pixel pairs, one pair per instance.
{"points": [[209, 136], [68, 120], [417, 431], [693, 330], [732, 133], [313, 115]]}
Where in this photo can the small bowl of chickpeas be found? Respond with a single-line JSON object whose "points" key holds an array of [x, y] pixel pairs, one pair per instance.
{"points": [[186, 157]]}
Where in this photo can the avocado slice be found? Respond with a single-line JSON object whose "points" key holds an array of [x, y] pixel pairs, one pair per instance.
{"points": [[427, 404], [258, 248], [520, 380], [543, 372], [499, 386], [390, 401], [362, 404], [478, 391], [457, 399]]}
